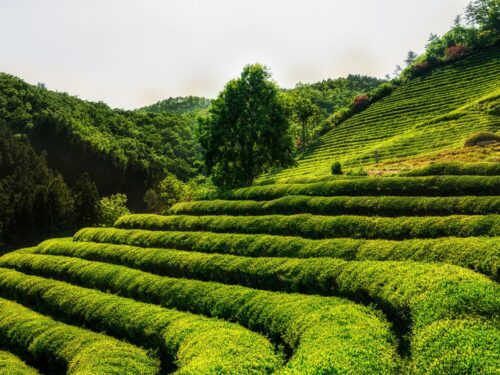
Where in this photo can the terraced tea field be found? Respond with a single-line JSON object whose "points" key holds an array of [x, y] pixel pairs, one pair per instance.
{"points": [[435, 112], [372, 275]]}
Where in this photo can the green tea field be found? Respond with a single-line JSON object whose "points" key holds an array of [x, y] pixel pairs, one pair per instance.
{"points": [[432, 113], [373, 275]]}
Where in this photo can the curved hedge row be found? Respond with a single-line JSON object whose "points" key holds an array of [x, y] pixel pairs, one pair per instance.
{"points": [[417, 293], [324, 276], [69, 348], [462, 346], [11, 365], [481, 254], [456, 168], [197, 344], [345, 205], [404, 186], [327, 335], [315, 226]]}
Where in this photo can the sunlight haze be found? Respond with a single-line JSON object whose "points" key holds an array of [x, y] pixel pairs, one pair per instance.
{"points": [[133, 53]]}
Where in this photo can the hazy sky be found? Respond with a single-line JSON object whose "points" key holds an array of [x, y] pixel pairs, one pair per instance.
{"points": [[132, 53]]}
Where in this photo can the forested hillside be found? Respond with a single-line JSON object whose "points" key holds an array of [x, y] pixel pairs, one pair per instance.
{"points": [[178, 105], [123, 151]]}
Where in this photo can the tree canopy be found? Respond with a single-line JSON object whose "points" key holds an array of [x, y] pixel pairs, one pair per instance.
{"points": [[245, 132]]}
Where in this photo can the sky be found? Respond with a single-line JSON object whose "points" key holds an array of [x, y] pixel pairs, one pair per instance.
{"points": [[131, 53]]}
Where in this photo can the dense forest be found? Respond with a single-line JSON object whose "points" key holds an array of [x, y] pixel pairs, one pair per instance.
{"points": [[123, 151]]}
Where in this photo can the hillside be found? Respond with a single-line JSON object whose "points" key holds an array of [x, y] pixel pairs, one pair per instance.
{"points": [[367, 275], [123, 151], [179, 105], [429, 114]]}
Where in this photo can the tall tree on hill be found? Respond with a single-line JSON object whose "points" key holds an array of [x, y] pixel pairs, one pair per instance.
{"points": [[305, 114], [87, 206], [246, 130], [410, 58]]}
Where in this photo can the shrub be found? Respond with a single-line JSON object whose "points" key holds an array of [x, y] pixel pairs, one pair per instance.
{"points": [[475, 138], [364, 205], [197, 344], [402, 186], [63, 347], [481, 254], [112, 208], [455, 52], [414, 295], [456, 168], [336, 168], [167, 193], [361, 102], [315, 226], [327, 335], [10, 364]]}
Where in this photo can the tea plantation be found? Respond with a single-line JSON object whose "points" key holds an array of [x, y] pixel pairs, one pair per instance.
{"points": [[373, 275], [312, 274], [431, 113]]}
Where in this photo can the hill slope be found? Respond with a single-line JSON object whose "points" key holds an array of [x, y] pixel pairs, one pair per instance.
{"points": [[435, 112], [311, 282], [123, 151]]}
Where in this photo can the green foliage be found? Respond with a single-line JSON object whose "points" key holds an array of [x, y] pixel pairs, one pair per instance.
{"points": [[326, 334], [458, 346], [336, 168], [345, 205], [403, 186], [481, 254], [111, 208], [178, 105], [87, 205], [34, 201], [305, 118], [317, 227], [455, 168], [63, 347], [484, 14], [409, 117], [194, 343], [246, 130], [10, 364], [315, 275], [476, 138], [124, 151], [168, 192]]}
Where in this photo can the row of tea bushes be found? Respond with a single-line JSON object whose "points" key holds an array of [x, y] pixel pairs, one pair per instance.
{"points": [[456, 168], [317, 276], [12, 365], [404, 186], [67, 348], [481, 254], [418, 295], [326, 335], [194, 343], [316, 227], [346, 205]]}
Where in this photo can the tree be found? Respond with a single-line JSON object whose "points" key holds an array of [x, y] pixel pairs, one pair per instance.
{"points": [[112, 208], [305, 114], [245, 132], [87, 207], [410, 58], [397, 71], [167, 193], [484, 13]]}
